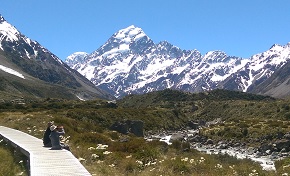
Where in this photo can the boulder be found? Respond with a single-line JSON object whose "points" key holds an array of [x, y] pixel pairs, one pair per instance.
{"points": [[177, 136], [283, 143], [135, 127], [193, 125]]}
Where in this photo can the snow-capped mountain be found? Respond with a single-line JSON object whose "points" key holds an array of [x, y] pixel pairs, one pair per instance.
{"points": [[130, 62], [25, 58]]}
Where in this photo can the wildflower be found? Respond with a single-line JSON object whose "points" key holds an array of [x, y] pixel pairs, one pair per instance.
{"points": [[184, 159], [21, 173], [191, 161], [285, 174], [95, 156], [99, 161], [148, 164], [81, 159], [130, 156], [91, 148], [102, 147], [21, 161], [152, 169], [219, 166], [112, 165], [1, 140], [29, 131], [201, 160], [139, 162], [174, 158], [106, 152]]}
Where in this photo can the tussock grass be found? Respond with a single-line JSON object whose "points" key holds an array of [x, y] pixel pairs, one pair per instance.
{"points": [[105, 152], [12, 162]]}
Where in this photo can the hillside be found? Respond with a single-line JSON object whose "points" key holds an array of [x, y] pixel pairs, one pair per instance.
{"points": [[278, 85], [29, 70], [248, 119]]}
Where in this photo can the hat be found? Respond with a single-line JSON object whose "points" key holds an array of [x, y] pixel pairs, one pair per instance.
{"points": [[52, 127]]}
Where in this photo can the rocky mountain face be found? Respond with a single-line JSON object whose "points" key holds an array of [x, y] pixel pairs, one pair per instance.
{"points": [[24, 58], [131, 63]]}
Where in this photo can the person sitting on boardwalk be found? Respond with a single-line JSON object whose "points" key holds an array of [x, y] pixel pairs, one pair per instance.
{"points": [[46, 139], [56, 132]]}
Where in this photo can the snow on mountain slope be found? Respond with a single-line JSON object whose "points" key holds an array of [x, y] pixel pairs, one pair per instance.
{"points": [[130, 62], [35, 62], [11, 71], [261, 66]]}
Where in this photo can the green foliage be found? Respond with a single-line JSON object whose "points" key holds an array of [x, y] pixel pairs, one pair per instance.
{"points": [[15, 162]]}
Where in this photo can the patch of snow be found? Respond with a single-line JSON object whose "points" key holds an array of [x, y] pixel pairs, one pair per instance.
{"points": [[11, 71], [9, 31]]}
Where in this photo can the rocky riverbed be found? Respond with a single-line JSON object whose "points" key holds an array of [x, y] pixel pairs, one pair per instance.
{"points": [[265, 155]]}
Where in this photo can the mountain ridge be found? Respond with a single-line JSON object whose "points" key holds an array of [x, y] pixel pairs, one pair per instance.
{"points": [[39, 66], [125, 66]]}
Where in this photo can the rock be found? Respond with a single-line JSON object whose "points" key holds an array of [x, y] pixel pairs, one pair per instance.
{"points": [[129, 126], [177, 136], [287, 136], [283, 143], [193, 125], [265, 147], [209, 142]]}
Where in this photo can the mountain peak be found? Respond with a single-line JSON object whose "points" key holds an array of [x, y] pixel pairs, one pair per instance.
{"points": [[8, 31], [1, 18], [129, 34]]}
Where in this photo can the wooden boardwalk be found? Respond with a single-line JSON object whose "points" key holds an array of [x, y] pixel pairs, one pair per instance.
{"points": [[43, 161]]}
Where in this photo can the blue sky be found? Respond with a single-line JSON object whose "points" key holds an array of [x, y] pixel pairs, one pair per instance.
{"points": [[239, 28]]}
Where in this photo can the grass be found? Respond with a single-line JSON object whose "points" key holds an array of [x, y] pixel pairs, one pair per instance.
{"points": [[14, 162], [134, 157], [105, 152]]}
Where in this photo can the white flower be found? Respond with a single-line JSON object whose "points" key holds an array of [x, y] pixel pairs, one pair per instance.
{"points": [[148, 164], [102, 147], [219, 166], [191, 161], [81, 159], [130, 156], [99, 161], [21, 173], [184, 159], [139, 162], [91, 148], [94, 156], [152, 169], [106, 152], [112, 165]]}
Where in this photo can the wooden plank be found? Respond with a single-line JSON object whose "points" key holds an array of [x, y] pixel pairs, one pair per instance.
{"points": [[43, 161]]}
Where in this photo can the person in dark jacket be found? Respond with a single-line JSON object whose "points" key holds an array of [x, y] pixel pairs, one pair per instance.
{"points": [[46, 139]]}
